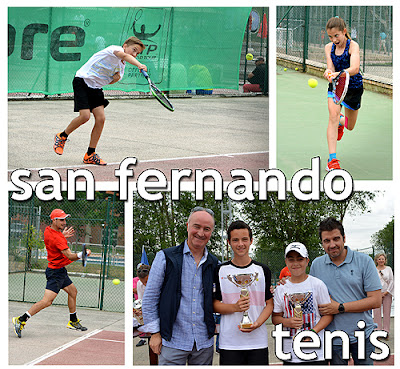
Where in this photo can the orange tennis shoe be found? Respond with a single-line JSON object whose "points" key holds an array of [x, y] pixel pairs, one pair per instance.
{"points": [[59, 143], [333, 164], [93, 159], [340, 129]]}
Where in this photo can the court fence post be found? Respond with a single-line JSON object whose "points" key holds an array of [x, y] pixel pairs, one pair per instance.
{"points": [[305, 41]]}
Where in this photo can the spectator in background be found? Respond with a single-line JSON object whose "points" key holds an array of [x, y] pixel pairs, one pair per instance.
{"points": [[386, 276], [382, 42], [285, 272], [256, 77], [135, 281], [143, 275]]}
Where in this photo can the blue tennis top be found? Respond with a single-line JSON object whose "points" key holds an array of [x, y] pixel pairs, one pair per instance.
{"points": [[343, 62], [350, 281]]}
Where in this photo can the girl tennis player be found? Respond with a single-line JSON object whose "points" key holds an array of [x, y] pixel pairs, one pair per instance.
{"points": [[103, 68], [342, 53]]}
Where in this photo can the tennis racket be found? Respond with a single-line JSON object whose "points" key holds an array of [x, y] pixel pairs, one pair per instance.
{"points": [[84, 255], [340, 84], [157, 93]]}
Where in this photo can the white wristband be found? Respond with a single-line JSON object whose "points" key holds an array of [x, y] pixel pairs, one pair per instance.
{"points": [[79, 255]]}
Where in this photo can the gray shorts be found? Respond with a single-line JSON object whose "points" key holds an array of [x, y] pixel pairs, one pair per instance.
{"points": [[172, 356]]}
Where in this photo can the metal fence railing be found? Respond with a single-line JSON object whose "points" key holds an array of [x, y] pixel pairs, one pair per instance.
{"points": [[99, 224], [301, 34]]}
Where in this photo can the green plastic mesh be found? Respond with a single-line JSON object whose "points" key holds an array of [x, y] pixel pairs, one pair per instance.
{"points": [[186, 48]]}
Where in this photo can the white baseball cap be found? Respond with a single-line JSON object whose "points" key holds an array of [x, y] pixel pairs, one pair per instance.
{"points": [[298, 247]]}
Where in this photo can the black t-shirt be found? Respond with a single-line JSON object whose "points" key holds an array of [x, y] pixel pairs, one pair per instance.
{"points": [[259, 75]]}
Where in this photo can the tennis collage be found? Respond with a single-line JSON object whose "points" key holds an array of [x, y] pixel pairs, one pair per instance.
{"points": [[237, 164]]}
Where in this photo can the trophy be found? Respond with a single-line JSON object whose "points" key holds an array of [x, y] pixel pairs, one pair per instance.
{"points": [[243, 281], [298, 299], [137, 311]]}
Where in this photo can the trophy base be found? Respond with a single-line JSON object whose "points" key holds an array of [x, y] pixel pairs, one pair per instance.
{"points": [[245, 325]]}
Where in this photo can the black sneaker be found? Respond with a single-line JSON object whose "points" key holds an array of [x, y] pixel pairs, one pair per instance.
{"points": [[141, 343]]}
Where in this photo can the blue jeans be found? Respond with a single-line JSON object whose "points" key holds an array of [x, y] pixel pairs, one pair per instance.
{"points": [[337, 356]]}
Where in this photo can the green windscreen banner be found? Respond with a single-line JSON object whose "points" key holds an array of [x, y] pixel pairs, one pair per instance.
{"points": [[186, 48]]}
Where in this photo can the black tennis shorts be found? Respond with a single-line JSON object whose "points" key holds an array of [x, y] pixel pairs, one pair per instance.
{"points": [[352, 100], [244, 357], [57, 279], [86, 97]]}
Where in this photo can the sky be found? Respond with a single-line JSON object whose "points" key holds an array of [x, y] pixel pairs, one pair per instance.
{"points": [[360, 228]]}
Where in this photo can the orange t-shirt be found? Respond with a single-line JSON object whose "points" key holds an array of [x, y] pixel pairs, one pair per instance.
{"points": [[55, 242]]}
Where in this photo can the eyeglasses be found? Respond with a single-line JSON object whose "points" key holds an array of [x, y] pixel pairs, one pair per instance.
{"points": [[380, 272], [200, 208]]}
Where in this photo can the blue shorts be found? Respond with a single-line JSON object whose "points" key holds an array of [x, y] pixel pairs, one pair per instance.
{"points": [[57, 279]]}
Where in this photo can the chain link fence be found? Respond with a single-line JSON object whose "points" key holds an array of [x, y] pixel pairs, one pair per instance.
{"points": [[99, 224], [301, 36]]}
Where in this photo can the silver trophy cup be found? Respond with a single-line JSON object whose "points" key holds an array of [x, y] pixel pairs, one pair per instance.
{"points": [[137, 311], [298, 299], [243, 281]]}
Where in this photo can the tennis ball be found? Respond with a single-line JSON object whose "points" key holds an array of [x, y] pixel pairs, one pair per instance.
{"points": [[312, 82], [249, 56], [116, 281], [296, 68], [285, 69]]}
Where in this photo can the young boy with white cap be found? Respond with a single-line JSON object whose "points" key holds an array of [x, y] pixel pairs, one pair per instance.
{"points": [[308, 292]]}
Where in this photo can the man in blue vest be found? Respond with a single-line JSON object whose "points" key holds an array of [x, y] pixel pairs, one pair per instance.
{"points": [[177, 303]]}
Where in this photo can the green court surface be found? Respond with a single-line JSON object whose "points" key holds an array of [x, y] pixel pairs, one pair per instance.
{"points": [[88, 291], [302, 120]]}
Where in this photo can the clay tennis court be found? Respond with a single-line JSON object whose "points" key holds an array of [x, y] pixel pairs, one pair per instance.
{"points": [[47, 341], [222, 133]]}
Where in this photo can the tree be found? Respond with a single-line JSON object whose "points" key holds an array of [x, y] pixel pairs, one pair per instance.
{"points": [[161, 224], [277, 223], [383, 241]]}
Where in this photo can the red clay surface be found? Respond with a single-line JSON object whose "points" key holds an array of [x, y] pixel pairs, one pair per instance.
{"points": [[252, 162], [103, 348]]}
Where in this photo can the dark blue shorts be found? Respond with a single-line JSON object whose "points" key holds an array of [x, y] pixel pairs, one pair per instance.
{"points": [[86, 97], [57, 279], [352, 100]]}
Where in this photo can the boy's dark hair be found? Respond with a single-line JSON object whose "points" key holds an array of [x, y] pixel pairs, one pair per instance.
{"points": [[330, 224], [239, 224], [134, 41]]}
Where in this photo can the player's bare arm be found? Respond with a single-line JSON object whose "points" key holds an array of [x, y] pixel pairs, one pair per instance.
{"points": [[372, 301], [116, 78], [130, 59], [242, 304], [330, 68], [72, 255]]}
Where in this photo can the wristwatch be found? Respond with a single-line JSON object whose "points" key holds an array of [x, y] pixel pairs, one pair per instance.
{"points": [[341, 308]]}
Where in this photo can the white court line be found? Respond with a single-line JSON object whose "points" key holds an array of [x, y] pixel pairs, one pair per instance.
{"points": [[150, 161], [104, 339], [63, 347]]}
